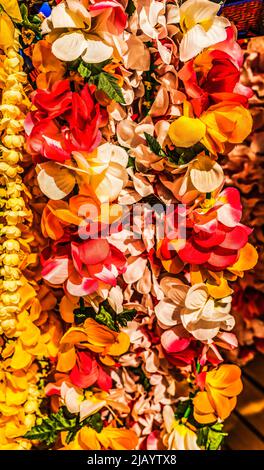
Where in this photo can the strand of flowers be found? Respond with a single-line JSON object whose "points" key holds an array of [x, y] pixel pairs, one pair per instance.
{"points": [[244, 170], [21, 343], [149, 316]]}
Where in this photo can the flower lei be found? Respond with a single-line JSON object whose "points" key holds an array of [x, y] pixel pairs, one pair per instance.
{"points": [[132, 106]]}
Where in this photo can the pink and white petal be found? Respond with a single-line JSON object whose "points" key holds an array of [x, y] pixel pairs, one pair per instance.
{"points": [[56, 270], [172, 343], [85, 287], [167, 313], [136, 267]]}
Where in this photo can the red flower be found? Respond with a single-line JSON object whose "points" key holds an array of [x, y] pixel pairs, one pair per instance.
{"points": [[213, 77], [113, 14], [63, 122], [87, 372], [178, 346], [82, 266], [216, 236]]}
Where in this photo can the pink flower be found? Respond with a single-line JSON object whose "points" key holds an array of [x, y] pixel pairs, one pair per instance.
{"points": [[83, 266], [111, 13], [217, 234], [179, 346]]}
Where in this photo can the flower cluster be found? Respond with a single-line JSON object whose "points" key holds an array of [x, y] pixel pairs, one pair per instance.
{"points": [[133, 105]]}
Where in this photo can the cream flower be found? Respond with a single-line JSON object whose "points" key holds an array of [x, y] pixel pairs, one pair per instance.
{"points": [[104, 170], [76, 403], [79, 41], [177, 436], [199, 313], [201, 27], [204, 316]]}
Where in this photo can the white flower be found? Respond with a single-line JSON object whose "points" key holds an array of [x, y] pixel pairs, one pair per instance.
{"points": [[79, 41], [200, 314], [177, 436], [204, 316], [201, 27]]}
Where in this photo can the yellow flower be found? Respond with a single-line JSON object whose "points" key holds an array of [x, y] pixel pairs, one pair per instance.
{"points": [[222, 124]]}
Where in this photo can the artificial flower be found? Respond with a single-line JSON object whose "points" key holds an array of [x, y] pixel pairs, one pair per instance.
{"points": [[102, 171], [177, 436], [80, 116], [99, 339], [222, 124], [88, 34], [222, 385], [83, 266], [201, 27]]}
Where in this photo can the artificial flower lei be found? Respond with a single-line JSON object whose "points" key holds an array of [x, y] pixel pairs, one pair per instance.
{"points": [[120, 243]]}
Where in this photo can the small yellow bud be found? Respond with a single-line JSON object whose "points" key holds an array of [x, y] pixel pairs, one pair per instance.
{"points": [[14, 141], [8, 326], [12, 97], [10, 286], [30, 419], [11, 245], [10, 272], [11, 231], [11, 259], [11, 299]]}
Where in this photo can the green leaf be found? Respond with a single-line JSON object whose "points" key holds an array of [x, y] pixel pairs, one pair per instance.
{"points": [[211, 437], [83, 312], [105, 318], [93, 421], [131, 162], [84, 70], [48, 430], [109, 85], [154, 146], [130, 8], [143, 379], [126, 316], [183, 408]]}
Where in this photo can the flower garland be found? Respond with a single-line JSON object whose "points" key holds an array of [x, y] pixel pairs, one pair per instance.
{"points": [[133, 105]]}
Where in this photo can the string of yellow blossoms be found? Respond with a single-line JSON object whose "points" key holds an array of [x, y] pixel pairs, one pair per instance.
{"points": [[21, 340]]}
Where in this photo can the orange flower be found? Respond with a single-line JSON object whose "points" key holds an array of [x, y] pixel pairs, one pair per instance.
{"points": [[222, 386], [97, 338], [51, 69], [109, 438]]}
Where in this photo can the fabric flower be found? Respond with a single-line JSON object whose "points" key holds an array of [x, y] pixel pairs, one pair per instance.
{"points": [[201, 27], [217, 234], [216, 128], [99, 339], [102, 171], [83, 266], [211, 77], [87, 30], [222, 386], [177, 436], [78, 112]]}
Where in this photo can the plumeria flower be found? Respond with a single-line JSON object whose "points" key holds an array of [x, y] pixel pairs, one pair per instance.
{"points": [[85, 38], [201, 27], [200, 314], [104, 170]]}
